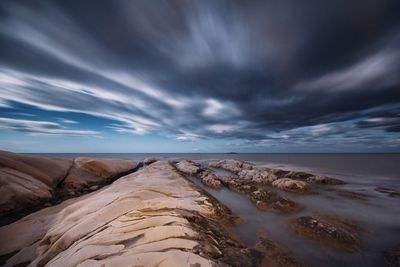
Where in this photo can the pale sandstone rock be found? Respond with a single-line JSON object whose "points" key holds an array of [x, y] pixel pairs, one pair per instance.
{"points": [[290, 185], [258, 175], [188, 167], [148, 161], [139, 220], [89, 171]]}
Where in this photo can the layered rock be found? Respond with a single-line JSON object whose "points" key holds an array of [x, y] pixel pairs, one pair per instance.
{"points": [[86, 172], [29, 182], [188, 167], [206, 176], [290, 185], [154, 217], [271, 201]]}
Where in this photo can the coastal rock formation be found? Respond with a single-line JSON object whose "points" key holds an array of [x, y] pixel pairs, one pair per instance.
{"points": [[86, 172], [271, 201], [290, 185], [188, 167], [210, 179], [28, 181], [388, 191], [148, 161], [330, 231], [231, 165], [153, 217], [258, 175], [317, 179]]}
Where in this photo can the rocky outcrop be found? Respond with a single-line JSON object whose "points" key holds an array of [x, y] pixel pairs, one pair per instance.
{"points": [[148, 161], [29, 182], [290, 185], [329, 231], [271, 201], [188, 167], [86, 172], [231, 165], [154, 217]]}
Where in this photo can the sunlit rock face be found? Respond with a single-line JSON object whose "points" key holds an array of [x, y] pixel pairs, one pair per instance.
{"points": [[154, 217], [290, 185]]}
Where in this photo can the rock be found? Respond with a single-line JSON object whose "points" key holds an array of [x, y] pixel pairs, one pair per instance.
{"points": [[271, 201], [290, 185], [231, 165], [210, 179], [330, 231], [241, 186], [257, 175], [324, 180], [154, 217], [392, 257], [27, 181], [94, 187], [389, 191], [188, 167], [275, 254], [297, 175], [91, 171], [148, 161]]}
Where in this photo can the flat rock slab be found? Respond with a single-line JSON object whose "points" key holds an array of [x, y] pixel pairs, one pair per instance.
{"points": [[154, 217]]}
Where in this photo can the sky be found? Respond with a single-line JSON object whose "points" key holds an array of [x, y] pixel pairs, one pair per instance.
{"points": [[200, 76]]}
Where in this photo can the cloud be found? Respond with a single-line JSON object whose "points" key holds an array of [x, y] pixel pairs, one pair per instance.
{"points": [[216, 70], [41, 127]]}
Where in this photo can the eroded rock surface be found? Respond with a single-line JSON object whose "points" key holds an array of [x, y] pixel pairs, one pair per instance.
{"points": [[271, 201], [205, 175], [154, 217], [86, 172], [330, 231], [291, 185], [29, 182]]}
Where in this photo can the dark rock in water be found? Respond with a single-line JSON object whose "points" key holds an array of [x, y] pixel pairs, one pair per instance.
{"points": [[330, 231], [352, 194], [392, 257], [389, 191], [274, 254], [240, 186], [324, 180], [271, 201]]}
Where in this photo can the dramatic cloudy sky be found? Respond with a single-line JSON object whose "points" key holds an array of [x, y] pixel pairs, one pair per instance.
{"points": [[200, 76]]}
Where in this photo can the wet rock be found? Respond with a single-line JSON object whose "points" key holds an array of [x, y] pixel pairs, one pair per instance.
{"points": [[94, 187], [297, 175], [241, 186], [210, 179], [290, 185], [392, 257], [231, 165], [351, 194], [389, 191], [188, 167], [271, 201], [257, 175], [274, 254], [330, 231], [148, 161], [324, 180]]}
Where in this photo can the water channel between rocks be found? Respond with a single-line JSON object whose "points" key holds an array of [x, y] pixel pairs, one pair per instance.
{"points": [[378, 213]]}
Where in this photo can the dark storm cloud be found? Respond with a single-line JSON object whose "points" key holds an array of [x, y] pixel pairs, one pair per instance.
{"points": [[287, 71]]}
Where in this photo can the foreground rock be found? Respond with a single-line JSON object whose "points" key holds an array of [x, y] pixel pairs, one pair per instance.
{"points": [[28, 182], [154, 217], [329, 231]]}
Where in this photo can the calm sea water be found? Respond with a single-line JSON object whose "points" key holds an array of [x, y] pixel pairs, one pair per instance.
{"points": [[379, 213]]}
